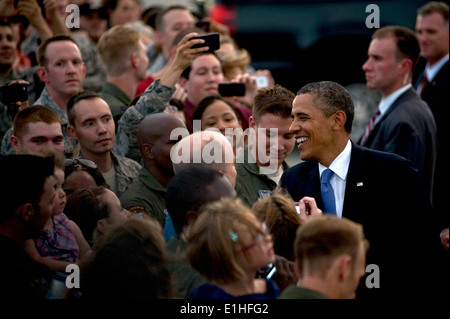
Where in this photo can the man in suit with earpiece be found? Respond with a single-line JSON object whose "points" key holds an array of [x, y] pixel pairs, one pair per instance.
{"points": [[382, 191], [404, 124]]}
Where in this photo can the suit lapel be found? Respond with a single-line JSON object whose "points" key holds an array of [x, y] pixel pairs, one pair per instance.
{"points": [[443, 72], [313, 189], [406, 95], [356, 183]]}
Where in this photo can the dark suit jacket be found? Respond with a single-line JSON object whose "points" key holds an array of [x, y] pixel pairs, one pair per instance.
{"points": [[383, 193], [408, 129], [437, 95]]}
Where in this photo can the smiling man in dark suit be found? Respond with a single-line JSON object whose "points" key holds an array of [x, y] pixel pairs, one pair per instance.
{"points": [[379, 190], [433, 85]]}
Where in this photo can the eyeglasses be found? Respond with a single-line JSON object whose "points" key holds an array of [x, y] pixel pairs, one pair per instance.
{"points": [[79, 161], [259, 239]]}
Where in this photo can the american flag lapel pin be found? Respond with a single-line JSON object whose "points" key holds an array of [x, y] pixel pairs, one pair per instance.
{"points": [[359, 184]]}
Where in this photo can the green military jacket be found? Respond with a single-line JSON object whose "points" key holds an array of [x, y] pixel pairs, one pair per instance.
{"points": [[250, 184], [153, 100], [294, 292], [117, 100], [145, 197]]}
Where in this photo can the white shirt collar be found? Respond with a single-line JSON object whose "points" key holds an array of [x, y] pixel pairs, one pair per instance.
{"points": [[431, 71], [386, 102], [340, 164]]}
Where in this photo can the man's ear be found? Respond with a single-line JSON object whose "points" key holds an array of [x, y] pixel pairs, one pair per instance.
{"points": [[72, 133], [147, 150], [339, 120], [133, 60], [15, 143], [252, 122], [344, 267], [101, 225], [25, 212], [42, 74], [406, 65]]}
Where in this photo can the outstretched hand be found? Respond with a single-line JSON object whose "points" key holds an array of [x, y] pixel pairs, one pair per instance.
{"points": [[308, 209]]}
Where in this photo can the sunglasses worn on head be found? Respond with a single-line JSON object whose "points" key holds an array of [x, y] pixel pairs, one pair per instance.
{"points": [[79, 161]]}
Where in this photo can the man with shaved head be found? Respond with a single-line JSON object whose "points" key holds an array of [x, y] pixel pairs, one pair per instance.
{"points": [[145, 197], [208, 148]]}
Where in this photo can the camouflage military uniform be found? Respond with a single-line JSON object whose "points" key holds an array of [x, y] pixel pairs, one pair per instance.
{"points": [[127, 171], [6, 148], [153, 100], [251, 185], [5, 121], [146, 197]]}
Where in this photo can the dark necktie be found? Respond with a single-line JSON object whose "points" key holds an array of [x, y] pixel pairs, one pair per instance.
{"points": [[423, 83], [329, 201], [369, 128]]}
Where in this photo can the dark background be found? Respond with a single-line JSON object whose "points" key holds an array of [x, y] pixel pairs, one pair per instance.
{"points": [[307, 41]]}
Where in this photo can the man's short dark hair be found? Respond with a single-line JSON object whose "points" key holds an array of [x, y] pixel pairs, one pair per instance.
{"points": [[159, 19], [41, 51], [407, 44], [23, 179], [331, 97], [83, 95], [434, 7], [188, 191], [187, 71]]}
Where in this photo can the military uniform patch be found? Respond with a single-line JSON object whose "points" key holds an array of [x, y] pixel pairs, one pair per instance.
{"points": [[264, 193], [138, 211]]}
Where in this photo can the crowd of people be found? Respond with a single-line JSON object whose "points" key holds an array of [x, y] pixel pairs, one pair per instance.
{"points": [[126, 159]]}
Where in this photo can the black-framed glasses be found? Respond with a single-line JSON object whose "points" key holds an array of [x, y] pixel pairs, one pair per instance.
{"points": [[79, 161]]}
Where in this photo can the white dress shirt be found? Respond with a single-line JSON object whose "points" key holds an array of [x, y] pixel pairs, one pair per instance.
{"points": [[431, 71], [340, 168]]}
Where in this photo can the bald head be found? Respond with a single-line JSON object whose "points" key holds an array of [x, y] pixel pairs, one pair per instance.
{"points": [[207, 148], [155, 126]]}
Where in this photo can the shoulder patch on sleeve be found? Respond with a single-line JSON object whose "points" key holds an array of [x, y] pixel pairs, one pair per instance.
{"points": [[263, 193], [139, 211]]}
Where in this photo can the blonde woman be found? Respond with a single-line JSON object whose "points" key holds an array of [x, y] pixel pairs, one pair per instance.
{"points": [[227, 244]]}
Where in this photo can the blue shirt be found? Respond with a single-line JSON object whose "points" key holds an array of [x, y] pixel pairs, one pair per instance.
{"points": [[210, 291]]}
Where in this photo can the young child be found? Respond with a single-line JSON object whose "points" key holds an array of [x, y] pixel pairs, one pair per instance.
{"points": [[61, 242], [227, 244]]}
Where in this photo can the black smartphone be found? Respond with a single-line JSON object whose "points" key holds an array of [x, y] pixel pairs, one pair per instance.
{"points": [[13, 93], [232, 89], [266, 272], [211, 41]]}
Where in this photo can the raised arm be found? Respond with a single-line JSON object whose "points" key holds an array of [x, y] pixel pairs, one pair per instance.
{"points": [[31, 10], [155, 97]]}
